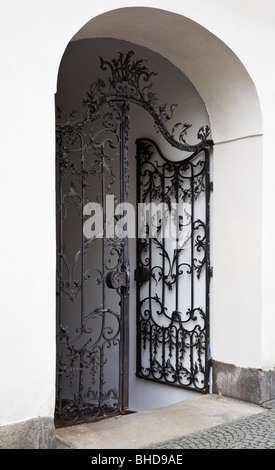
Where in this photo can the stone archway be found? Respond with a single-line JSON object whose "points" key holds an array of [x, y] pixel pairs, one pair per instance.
{"points": [[217, 73]]}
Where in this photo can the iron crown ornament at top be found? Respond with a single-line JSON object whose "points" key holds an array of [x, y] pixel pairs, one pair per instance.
{"points": [[129, 80]]}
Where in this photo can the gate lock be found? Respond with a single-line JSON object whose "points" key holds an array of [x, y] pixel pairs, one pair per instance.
{"points": [[116, 279]]}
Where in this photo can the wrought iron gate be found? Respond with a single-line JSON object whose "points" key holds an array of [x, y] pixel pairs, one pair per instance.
{"points": [[93, 271], [173, 268]]}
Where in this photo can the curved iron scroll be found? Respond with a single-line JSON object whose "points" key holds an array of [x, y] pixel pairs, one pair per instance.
{"points": [[93, 151]]}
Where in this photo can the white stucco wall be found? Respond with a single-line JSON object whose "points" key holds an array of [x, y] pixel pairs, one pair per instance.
{"points": [[236, 240], [34, 36]]}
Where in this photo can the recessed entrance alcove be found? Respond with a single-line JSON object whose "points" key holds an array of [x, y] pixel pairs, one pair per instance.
{"points": [[211, 89]]}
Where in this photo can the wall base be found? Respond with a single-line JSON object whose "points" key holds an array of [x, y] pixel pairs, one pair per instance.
{"points": [[36, 433], [253, 385]]}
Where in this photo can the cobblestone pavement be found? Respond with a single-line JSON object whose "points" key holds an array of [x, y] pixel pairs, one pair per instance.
{"points": [[254, 432]]}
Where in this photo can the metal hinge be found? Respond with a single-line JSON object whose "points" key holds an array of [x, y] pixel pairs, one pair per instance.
{"points": [[211, 186], [210, 271]]}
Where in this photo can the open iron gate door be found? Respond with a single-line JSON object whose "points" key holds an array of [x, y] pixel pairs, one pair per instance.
{"points": [[92, 320], [92, 263], [173, 267]]}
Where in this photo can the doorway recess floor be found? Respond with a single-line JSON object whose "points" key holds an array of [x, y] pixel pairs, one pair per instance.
{"points": [[147, 428]]}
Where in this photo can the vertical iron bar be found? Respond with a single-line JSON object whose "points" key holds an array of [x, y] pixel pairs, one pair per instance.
{"points": [[163, 274], [124, 310], [81, 367], [163, 329], [138, 259], [207, 271], [163, 257], [150, 270], [177, 240], [177, 267], [103, 261], [82, 233], [192, 268]]}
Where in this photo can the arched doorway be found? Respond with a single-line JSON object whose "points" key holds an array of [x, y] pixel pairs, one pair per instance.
{"points": [[96, 285], [232, 104]]}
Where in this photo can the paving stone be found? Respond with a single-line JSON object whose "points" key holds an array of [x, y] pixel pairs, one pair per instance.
{"points": [[254, 432]]}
